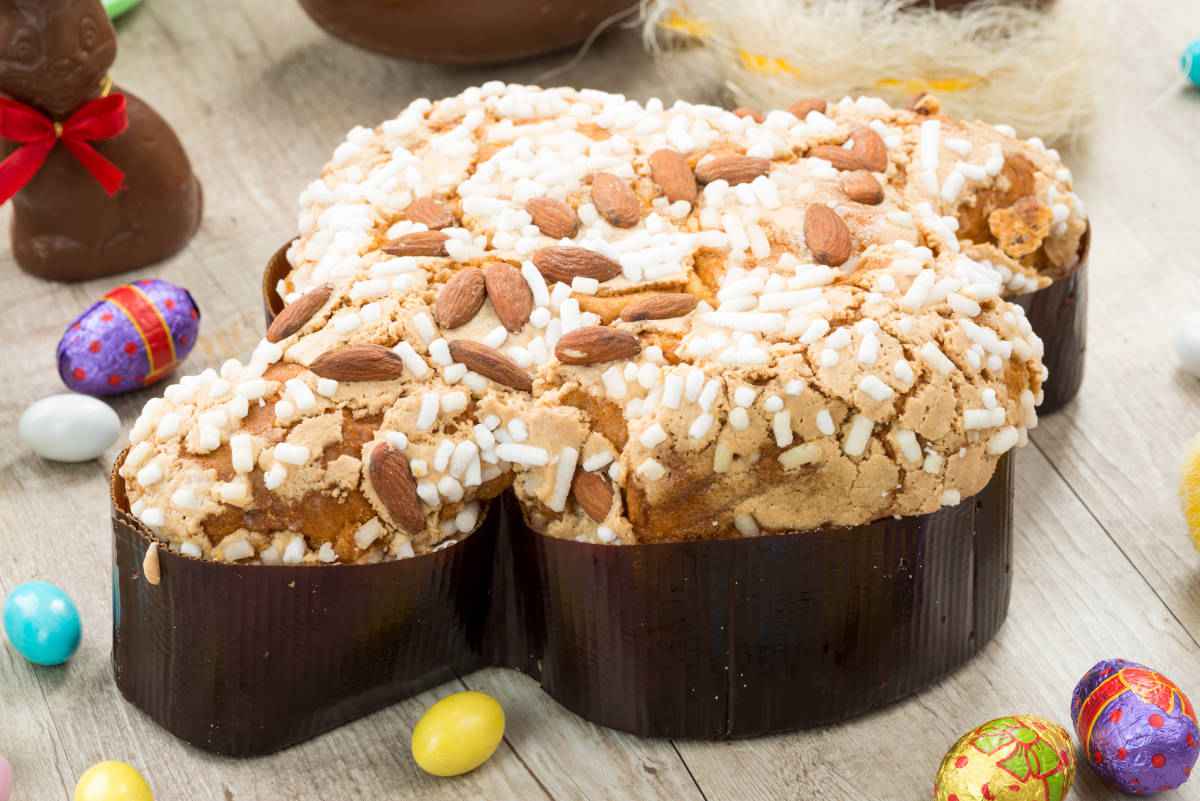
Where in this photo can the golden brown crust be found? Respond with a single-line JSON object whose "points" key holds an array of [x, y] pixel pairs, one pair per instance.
{"points": [[765, 353]]}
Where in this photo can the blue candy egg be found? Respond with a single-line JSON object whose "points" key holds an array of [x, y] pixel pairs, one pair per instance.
{"points": [[42, 623], [1190, 61]]}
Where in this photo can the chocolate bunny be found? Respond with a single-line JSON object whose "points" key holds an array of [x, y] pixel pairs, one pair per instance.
{"points": [[54, 57]]}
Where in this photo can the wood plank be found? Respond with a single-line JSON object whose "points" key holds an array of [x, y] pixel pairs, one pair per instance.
{"points": [[1075, 602], [1121, 443], [575, 759]]}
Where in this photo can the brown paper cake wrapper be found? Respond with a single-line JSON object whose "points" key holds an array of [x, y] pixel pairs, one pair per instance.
{"points": [[249, 659], [714, 639], [1058, 314]]}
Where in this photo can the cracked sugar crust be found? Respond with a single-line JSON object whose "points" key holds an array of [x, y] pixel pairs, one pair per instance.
{"points": [[726, 362]]}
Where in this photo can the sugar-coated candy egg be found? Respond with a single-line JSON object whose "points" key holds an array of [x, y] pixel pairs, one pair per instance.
{"points": [[458, 734], [112, 781], [1190, 61], [69, 427], [1189, 489], [1013, 758], [42, 623], [1137, 729], [132, 337], [1187, 344], [6, 779]]}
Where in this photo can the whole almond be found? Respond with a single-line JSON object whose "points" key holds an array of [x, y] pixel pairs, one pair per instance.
{"points": [[431, 213], [861, 187], [563, 263], [596, 343], [826, 235], [746, 111], [801, 108], [554, 218], [460, 299], [871, 150], [674, 177], [490, 363], [593, 493], [734, 169], [867, 152], [393, 482], [615, 200], [659, 307], [359, 363], [509, 293], [418, 243], [298, 312], [151, 568]]}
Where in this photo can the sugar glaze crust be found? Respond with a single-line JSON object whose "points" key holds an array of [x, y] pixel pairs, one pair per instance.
{"points": [[839, 365]]}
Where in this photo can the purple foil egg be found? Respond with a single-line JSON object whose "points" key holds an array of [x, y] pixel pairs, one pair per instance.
{"points": [[134, 336], [1138, 730]]}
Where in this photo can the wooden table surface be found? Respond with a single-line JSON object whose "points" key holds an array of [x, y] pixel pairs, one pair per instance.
{"points": [[1103, 566]]}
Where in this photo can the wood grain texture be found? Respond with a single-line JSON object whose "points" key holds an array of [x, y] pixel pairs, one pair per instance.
{"points": [[1059, 625], [1103, 568], [1121, 443]]}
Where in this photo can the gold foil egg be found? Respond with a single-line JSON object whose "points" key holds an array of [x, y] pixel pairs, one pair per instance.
{"points": [[1013, 758]]}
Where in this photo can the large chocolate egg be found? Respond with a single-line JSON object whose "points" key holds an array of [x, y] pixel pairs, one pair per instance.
{"points": [[1137, 729], [1014, 758], [132, 337], [465, 32]]}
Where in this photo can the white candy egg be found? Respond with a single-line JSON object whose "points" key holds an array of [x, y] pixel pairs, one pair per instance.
{"points": [[1187, 344], [69, 428]]}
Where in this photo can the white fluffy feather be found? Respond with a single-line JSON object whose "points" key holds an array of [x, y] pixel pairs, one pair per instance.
{"points": [[1032, 69]]}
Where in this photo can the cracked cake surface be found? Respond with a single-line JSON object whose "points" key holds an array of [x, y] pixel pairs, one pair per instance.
{"points": [[652, 322]]}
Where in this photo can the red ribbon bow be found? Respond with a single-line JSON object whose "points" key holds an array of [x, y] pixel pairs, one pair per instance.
{"points": [[96, 120]]}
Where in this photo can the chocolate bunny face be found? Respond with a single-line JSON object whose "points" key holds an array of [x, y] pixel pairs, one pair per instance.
{"points": [[54, 53]]}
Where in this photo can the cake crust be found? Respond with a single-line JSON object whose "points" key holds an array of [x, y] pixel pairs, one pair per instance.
{"points": [[785, 351]]}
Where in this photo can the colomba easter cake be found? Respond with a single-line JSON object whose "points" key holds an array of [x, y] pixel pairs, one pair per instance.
{"points": [[650, 322]]}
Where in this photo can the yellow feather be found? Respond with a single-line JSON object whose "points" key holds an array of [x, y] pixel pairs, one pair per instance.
{"points": [[916, 86], [688, 26], [756, 62]]}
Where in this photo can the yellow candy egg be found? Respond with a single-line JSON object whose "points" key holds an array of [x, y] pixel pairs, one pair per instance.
{"points": [[112, 781], [1013, 758], [458, 734], [1189, 485]]}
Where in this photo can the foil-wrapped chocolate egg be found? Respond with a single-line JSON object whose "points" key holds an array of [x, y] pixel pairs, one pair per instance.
{"points": [[1013, 758], [1137, 729], [132, 337]]}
